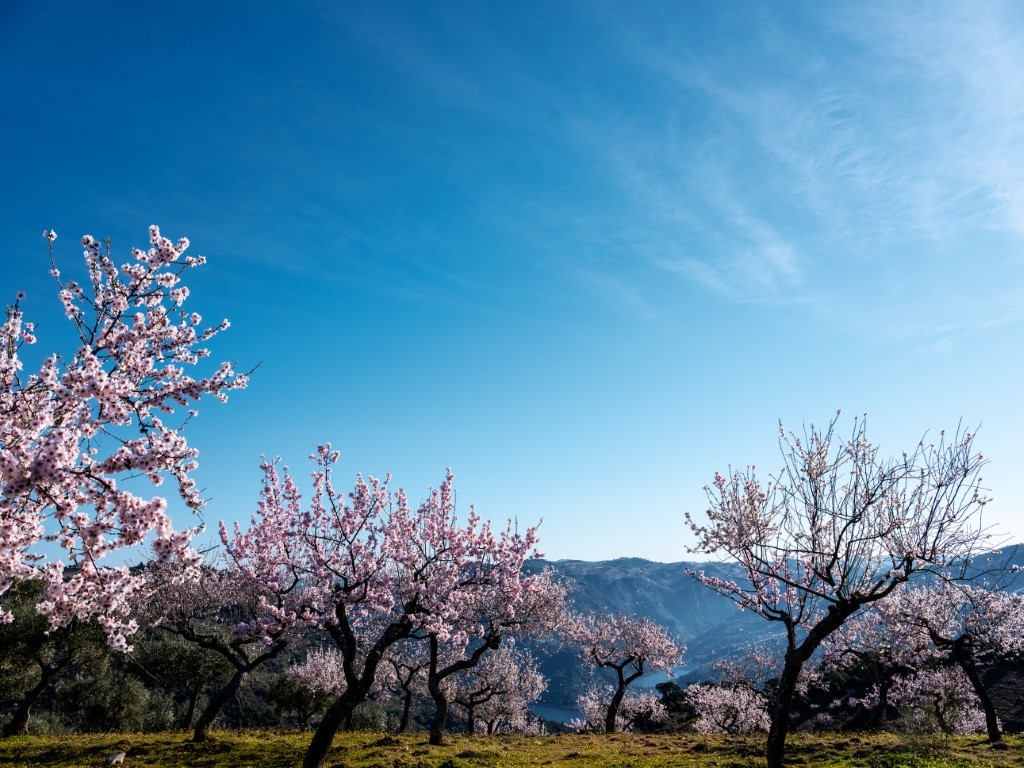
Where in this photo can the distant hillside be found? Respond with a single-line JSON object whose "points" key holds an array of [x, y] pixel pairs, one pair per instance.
{"points": [[665, 593], [707, 623]]}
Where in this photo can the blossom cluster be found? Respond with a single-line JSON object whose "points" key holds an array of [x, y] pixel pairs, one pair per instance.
{"points": [[839, 526], [728, 708], [629, 647], [381, 577], [926, 645], [322, 672], [74, 432], [637, 707], [496, 694], [622, 642], [373, 558]]}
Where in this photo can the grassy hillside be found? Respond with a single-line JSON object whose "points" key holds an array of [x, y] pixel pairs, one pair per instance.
{"points": [[366, 750]]}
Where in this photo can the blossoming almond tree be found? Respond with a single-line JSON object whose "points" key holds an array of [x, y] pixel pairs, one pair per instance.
{"points": [[873, 641], [246, 618], [482, 597], [635, 707], [937, 698], [837, 529], [323, 672], [75, 430], [737, 702], [727, 707], [342, 551], [964, 625], [627, 646], [404, 673], [377, 571], [497, 693]]}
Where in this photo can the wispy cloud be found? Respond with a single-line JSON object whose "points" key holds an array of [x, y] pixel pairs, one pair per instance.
{"points": [[761, 266], [686, 215], [895, 118], [858, 164], [957, 70]]}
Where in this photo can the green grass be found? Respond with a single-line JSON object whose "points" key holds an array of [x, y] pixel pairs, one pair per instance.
{"points": [[273, 749]]}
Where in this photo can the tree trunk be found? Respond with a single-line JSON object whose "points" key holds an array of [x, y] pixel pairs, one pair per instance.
{"points": [[435, 677], [620, 693], [940, 716], [440, 700], [339, 712], [796, 656], [971, 670], [471, 724], [193, 700], [18, 726], [781, 708], [213, 709], [882, 710], [406, 706], [613, 706], [440, 712], [358, 685]]}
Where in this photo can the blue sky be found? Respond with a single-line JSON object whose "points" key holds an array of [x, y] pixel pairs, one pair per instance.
{"points": [[584, 253]]}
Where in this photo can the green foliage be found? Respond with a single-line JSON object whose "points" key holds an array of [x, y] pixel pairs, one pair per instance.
{"points": [[27, 643], [33, 658], [48, 723], [295, 701], [370, 716], [180, 668], [109, 699]]}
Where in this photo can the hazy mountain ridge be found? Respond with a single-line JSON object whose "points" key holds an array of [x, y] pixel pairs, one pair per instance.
{"points": [[709, 624], [665, 592], [706, 622]]}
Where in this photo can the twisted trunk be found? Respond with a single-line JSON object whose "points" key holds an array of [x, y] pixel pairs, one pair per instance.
{"points": [[18, 726], [217, 703], [193, 700], [881, 712], [339, 712], [403, 724], [970, 668], [796, 657], [435, 677], [357, 685], [437, 730], [620, 693], [782, 706]]}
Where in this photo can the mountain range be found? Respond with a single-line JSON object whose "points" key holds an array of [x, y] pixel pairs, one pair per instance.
{"points": [[707, 623]]}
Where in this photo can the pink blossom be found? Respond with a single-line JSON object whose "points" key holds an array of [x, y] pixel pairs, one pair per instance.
{"points": [[495, 695], [835, 531], [643, 706], [728, 708], [125, 378], [378, 573], [625, 645]]}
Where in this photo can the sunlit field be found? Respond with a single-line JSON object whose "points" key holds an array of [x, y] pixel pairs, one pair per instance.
{"points": [[363, 750]]}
